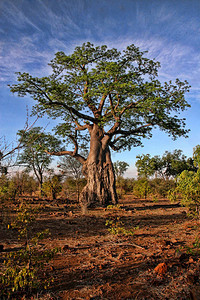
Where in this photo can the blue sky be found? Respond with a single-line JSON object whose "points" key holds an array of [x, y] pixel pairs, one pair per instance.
{"points": [[31, 31]]}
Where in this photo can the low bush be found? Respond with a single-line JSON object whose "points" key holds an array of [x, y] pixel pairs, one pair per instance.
{"points": [[24, 270]]}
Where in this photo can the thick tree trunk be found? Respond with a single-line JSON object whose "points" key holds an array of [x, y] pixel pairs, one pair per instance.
{"points": [[100, 189]]}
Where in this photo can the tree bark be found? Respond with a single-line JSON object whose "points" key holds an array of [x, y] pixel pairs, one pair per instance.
{"points": [[98, 169]]}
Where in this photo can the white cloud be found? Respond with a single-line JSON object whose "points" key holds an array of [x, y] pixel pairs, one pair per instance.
{"points": [[131, 172]]}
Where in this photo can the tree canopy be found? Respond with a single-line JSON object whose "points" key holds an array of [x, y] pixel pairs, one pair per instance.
{"points": [[120, 168], [33, 156], [170, 165], [118, 91]]}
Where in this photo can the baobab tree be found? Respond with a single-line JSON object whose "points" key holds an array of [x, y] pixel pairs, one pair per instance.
{"points": [[109, 100]]}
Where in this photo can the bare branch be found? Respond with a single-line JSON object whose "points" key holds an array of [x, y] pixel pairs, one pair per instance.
{"points": [[74, 153], [80, 158], [27, 127]]}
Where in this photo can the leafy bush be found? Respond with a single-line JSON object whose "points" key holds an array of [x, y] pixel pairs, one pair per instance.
{"points": [[114, 207], [188, 191], [7, 188], [116, 226], [18, 184], [142, 188], [52, 186], [161, 187]]}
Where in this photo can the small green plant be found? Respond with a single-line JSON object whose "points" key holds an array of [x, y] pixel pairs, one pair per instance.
{"points": [[116, 226], [154, 198], [195, 249], [24, 270], [114, 207]]}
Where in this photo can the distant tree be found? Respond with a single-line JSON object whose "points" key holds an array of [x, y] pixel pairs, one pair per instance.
{"points": [[174, 163], [114, 98], [71, 167], [142, 188], [24, 183], [3, 169], [145, 165], [120, 168], [5, 190], [196, 157], [170, 165], [33, 156]]}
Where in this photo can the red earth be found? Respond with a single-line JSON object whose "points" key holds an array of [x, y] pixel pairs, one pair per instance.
{"points": [[161, 260]]}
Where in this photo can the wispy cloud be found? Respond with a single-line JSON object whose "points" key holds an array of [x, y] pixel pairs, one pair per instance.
{"points": [[44, 27], [22, 56]]}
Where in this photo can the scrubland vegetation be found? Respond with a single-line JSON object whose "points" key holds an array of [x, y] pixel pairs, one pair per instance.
{"points": [[145, 247], [81, 230]]}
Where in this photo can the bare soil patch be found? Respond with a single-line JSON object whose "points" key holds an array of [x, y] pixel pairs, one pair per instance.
{"points": [[95, 264]]}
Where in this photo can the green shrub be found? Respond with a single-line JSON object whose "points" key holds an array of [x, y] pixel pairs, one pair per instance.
{"points": [[52, 187], [24, 269], [142, 188], [116, 226], [188, 191]]}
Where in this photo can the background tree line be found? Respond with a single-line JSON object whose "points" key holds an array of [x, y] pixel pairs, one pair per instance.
{"points": [[171, 175]]}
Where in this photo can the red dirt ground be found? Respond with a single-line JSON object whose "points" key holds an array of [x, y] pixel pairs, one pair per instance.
{"points": [[95, 264]]}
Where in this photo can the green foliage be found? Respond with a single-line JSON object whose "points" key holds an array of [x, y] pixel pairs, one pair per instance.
{"points": [[24, 270], [69, 187], [117, 91], [105, 99], [161, 187], [145, 166], [116, 227], [124, 186], [170, 165], [114, 207], [142, 188], [152, 188], [35, 142], [18, 184], [174, 163], [52, 186], [120, 168], [196, 156], [188, 187], [120, 185], [188, 191], [195, 249], [8, 188]]}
